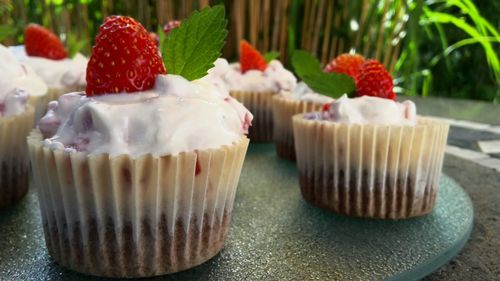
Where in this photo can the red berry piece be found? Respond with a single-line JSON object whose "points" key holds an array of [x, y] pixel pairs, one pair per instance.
{"points": [[347, 64], [155, 38], [41, 42], [251, 58], [124, 58], [171, 25], [374, 80]]}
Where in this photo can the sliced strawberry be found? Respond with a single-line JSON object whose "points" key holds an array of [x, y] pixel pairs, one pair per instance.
{"points": [[124, 58], [374, 80], [171, 25], [347, 64], [251, 58], [41, 42]]}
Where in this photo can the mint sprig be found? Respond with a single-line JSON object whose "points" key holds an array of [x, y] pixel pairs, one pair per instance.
{"points": [[191, 49], [271, 56], [308, 68]]}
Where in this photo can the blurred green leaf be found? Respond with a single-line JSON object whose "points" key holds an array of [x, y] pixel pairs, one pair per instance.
{"points": [[271, 56], [6, 31]]}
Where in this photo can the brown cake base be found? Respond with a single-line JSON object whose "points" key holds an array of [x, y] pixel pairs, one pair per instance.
{"points": [[285, 150], [111, 252], [350, 197], [13, 183]]}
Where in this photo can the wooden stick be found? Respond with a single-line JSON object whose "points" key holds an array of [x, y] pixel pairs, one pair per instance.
{"points": [[328, 28], [283, 30], [317, 27], [381, 30], [266, 27]]}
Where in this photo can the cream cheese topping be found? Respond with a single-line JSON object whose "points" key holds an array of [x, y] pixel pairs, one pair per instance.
{"points": [[56, 73], [274, 78], [175, 116], [371, 110]]}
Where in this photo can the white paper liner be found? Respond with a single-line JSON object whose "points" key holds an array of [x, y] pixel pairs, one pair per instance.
{"points": [[14, 156], [260, 105], [283, 110], [125, 217], [377, 171]]}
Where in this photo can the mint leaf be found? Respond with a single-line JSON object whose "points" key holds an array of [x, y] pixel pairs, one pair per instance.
{"points": [[191, 49], [271, 56], [308, 68], [304, 62], [6, 31], [330, 84], [74, 45]]}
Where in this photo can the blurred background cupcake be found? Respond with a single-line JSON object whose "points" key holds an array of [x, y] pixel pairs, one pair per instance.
{"points": [[44, 52], [16, 121], [287, 104]]}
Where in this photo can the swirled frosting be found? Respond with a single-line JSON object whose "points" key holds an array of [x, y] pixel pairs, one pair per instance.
{"points": [[303, 93]]}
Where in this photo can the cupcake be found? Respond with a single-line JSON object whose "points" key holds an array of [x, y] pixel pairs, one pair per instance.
{"points": [[254, 82], [22, 76], [137, 178], [301, 99], [44, 52], [370, 156], [16, 121]]}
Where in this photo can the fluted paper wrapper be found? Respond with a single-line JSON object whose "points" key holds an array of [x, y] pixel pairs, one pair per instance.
{"points": [[283, 111], [14, 179], [375, 171], [260, 104], [125, 217]]}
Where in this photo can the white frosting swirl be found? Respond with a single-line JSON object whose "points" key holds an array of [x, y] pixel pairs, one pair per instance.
{"points": [[56, 73], [274, 78], [371, 110], [175, 116], [17, 81], [303, 93]]}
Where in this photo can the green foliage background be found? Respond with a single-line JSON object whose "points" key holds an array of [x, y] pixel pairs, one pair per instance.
{"points": [[451, 47]]}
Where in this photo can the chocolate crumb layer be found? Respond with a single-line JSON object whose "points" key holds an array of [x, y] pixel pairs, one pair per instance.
{"points": [[140, 249], [351, 195], [13, 183]]}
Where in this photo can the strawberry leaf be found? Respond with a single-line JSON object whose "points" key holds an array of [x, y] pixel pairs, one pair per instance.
{"points": [[271, 56], [308, 68], [191, 49]]}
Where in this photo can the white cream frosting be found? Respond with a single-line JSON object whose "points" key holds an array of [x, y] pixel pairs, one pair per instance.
{"points": [[303, 93], [175, 116], [274, 78], [56, 73], [17, 82], [371, 110]]}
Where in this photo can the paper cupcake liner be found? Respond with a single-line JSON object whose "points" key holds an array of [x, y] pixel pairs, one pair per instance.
{"points": [[370, 170], [125, 217], [283, 111], [260, 104], [14, 156]]}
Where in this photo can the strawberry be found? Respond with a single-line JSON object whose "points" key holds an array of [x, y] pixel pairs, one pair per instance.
{"points": [[41, 42], [347, 64], [374, 80], [124, 58], [170, 25], [251, 58]]}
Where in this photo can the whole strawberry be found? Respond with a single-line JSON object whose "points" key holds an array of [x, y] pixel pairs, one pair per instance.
{"points": [[41, 42], [124, 58], [346, 63], [170, 26], [374, 80], [250, 58]]}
